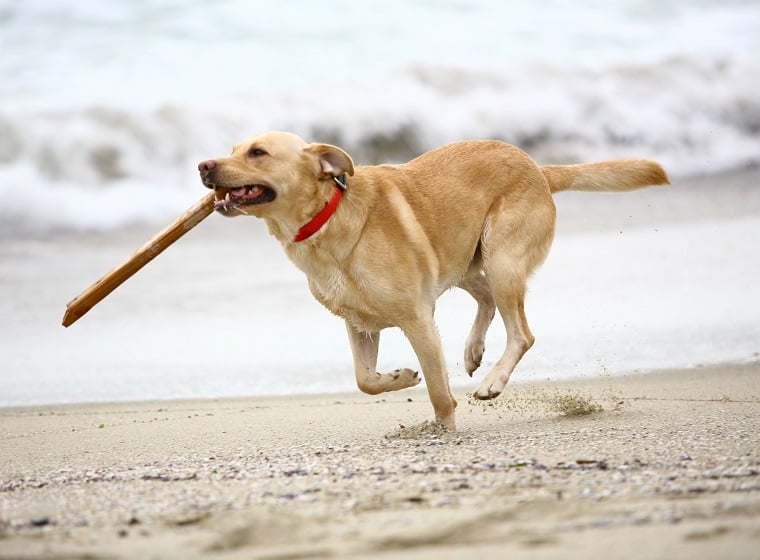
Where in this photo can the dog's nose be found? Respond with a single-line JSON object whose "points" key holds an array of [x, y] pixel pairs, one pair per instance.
{"points": [[207, 165]]}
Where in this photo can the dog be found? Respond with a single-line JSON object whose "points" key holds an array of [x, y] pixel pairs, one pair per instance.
{"points": [[380, 244]]}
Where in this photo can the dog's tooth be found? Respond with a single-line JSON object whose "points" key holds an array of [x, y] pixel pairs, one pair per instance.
{"points": [[227, 197]]}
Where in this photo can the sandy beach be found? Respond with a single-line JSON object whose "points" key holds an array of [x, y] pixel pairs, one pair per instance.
{"points": [[580, 458], [660, 465]]}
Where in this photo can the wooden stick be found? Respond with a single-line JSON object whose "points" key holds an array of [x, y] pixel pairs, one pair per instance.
{"points": [[88, 299]]}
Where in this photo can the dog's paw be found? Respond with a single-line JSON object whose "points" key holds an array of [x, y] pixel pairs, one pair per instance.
{"points": [[402, 379], [393, 381], [484, 395], [473, 355], [489, 389]]}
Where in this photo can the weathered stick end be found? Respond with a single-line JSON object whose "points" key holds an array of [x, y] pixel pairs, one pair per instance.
{"points": [[88, 299]]}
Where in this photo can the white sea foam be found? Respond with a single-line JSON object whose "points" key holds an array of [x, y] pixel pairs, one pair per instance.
{"points": [[104, 113]]}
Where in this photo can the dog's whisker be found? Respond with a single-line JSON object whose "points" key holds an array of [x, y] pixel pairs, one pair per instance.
{"points": [[240, 210]]}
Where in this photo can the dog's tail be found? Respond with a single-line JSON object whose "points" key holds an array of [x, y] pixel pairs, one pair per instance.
{"points": [[605, 176]]}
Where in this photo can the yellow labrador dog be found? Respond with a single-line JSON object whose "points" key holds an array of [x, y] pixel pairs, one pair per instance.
{"points": [[380, 244]]}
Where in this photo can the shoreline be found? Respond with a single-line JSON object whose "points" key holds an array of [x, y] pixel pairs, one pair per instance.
{"points": [[462, 387], [666, 462]]}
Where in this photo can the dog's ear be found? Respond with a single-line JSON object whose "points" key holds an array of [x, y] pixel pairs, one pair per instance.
{"points": [[332, 160]]}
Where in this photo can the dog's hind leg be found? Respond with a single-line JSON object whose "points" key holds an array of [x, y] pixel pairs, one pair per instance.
{"points": [[510, 301], [364, 347], [516, 243], [477, 286]]}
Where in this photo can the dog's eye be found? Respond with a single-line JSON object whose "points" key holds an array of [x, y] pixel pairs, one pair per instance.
{"points": [[256, 152]]}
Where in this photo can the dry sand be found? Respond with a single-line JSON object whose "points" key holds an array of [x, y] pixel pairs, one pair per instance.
{"points": [[661, 465]]}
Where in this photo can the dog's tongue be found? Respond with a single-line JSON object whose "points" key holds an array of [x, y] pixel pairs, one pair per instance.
{"points": [[240, 191]]}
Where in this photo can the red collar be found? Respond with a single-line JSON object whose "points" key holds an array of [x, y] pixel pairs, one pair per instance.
{"points": [[320, 219]]}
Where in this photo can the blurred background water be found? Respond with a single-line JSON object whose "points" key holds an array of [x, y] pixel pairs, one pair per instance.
{"points": [[106, 105]]}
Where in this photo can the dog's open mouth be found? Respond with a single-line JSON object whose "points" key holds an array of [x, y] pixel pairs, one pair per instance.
{"points": [[246, 195]]}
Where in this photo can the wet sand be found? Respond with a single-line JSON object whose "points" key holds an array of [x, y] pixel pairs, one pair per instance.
{"points": [[660, 465]]}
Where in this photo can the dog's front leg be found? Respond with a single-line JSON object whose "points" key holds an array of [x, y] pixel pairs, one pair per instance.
{"points": [[364, 347], [423, 335]]}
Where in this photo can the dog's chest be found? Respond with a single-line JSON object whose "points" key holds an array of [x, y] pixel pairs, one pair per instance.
{"points": [[346, 294]]}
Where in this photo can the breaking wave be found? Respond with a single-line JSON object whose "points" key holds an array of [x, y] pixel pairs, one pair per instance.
{"points": [[104, 167]]}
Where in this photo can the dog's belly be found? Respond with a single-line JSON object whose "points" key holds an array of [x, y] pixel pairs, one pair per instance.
{"points": [[363, 322]]}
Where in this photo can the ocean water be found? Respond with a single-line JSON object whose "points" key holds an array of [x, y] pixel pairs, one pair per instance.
{"points": [[224, 313], [105, 108]]}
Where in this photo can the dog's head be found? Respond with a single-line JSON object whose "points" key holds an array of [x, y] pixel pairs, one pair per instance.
{"points": [[275, 175]]}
